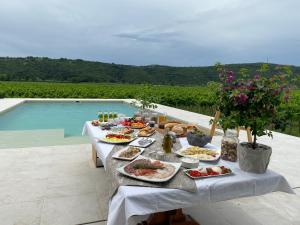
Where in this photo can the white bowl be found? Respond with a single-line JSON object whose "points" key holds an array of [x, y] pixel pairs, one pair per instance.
{"points": [[189, 162]]}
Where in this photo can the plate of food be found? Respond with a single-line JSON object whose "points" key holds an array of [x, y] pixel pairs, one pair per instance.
{"points": [[128, 153], [122, 130], [95, 123], [146, 132], [206, 172], [142, 142], [151, 170], [113, 138], [203, 154], [133, 123], [138, 124]]}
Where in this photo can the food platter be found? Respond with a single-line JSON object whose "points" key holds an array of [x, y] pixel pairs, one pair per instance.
{"points": [[122, 130], [132, 153], [113, 138], [138, 125], [207, 172], [134, 124], [147, 169], [146, 132], [203, 154], [142, 142]]}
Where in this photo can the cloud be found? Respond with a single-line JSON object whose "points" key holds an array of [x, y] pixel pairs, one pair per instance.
{"points": [[197, 32], [150, 35]]}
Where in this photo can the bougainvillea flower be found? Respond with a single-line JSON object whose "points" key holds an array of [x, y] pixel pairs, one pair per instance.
{"points": [[243, 98], [257, 77]]}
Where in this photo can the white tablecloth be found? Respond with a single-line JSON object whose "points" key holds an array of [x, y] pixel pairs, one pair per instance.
{"points": [[130, 200]]}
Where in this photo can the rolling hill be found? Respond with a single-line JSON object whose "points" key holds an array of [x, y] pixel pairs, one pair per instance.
{"points": [[77, 71]]}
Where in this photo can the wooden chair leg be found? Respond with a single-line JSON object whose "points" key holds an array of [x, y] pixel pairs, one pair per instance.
{"points": [[249, 135], [214, 124]]}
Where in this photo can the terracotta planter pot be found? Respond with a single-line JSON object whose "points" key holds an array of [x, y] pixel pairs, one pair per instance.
{"points": [[254, 160]]}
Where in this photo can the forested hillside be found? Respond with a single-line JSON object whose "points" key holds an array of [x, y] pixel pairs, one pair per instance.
{"points": [[66, 70]]}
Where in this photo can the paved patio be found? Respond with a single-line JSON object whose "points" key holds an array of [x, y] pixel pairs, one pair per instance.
{"points": [[59, 185]]}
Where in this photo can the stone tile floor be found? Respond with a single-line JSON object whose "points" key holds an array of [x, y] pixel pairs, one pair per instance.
{"points": [[59, 186]]}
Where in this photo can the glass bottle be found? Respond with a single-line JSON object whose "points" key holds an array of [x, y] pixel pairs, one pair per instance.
{"points": [[105, 117], [115, 115], [100, 116], [167, 143], [110, 115], [229, 145]]}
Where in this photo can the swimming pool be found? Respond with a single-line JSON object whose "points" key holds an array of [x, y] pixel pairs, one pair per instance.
{"points": [[69, 116]]}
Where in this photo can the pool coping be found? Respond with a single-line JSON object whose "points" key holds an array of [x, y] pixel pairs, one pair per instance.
{"points": [[10, 103], [180, 114]]}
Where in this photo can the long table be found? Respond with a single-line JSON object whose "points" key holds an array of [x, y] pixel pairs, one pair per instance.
{"points": [[133, 200]]}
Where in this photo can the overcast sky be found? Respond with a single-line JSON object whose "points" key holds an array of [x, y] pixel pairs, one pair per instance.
{"points": [[140, 32]]}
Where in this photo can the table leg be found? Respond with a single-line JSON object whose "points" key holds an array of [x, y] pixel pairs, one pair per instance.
{"points": [[97, 161], [173, 217]]}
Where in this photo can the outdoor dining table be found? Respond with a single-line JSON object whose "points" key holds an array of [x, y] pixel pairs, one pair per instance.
{"points": [[130, 201]]}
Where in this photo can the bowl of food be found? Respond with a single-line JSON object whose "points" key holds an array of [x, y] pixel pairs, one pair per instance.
{"points": [[197, 137], [189, 163]]}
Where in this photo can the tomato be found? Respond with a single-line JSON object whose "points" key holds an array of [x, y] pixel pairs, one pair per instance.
{"points": [[195, 173]]}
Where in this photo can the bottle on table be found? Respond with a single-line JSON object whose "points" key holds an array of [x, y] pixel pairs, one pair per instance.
{"points": [[115, 115], [105, 117], [111, 115], [167, 142], [100, 116]]}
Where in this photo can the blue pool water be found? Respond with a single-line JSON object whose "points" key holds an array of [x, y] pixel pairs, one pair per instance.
{"points": [[69, 116]]}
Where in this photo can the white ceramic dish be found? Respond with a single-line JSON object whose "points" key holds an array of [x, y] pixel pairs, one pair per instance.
{"points": [[139, 142], [116, 154], [218, 154], [145, 178], [189, 162], [219, 175], [148, 135], [103, 139]]}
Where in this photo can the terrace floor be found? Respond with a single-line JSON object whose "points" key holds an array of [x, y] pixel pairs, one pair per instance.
{"points": [[58, 185]]}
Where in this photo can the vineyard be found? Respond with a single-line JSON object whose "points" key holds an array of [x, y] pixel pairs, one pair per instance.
{"points": [[195, 98]]}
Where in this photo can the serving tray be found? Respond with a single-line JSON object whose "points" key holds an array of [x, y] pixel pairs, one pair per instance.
{"points": [[149, 179]]}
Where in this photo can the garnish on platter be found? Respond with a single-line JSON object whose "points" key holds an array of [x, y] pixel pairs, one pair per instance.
{"points": [[206, 172], [146, 132], [117, 138], [150, 170], [196, 152], [128, 153]]}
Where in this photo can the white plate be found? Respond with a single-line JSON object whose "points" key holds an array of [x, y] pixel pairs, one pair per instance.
{"points": [[145, 178], [220, 175], [148, 135], [137, 144], [103, 139], [116, 154], [218, 152]]}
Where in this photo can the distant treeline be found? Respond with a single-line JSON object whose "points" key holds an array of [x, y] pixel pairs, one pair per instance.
{"points": [[77, 71]]}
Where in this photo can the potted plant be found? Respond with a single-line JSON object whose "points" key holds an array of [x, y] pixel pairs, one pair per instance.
{"points": [[253, 102], [144, 99]]}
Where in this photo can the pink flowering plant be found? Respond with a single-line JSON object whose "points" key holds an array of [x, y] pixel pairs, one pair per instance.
{"points": [[253, 101]]}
